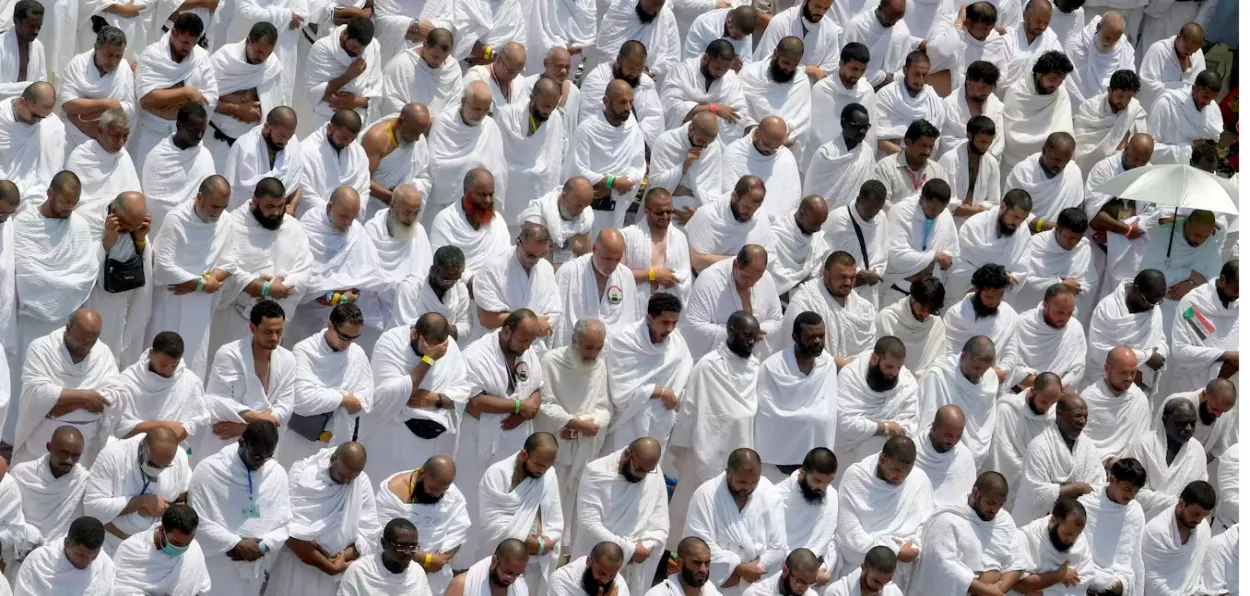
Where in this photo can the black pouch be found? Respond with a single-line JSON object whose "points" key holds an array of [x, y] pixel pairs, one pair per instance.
{"points": [[123, 276], [424, 428], [310, 427]]}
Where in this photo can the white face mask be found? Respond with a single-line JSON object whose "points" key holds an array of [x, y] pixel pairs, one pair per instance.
{"points": [[150, 470]]}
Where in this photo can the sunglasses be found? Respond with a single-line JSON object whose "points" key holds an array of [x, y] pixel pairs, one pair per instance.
{"points": [[344, 336]]}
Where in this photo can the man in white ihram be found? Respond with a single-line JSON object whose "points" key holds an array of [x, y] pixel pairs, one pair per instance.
{"points": [[51, 490], [924, 241], [764, 154], [428, 498], [1018, 419], [876, 400], [105, 168], [460, 141], [343, 72], [738, 284], [996, 235], [1036, 106], [707, 84], [473, 225], [1113, 527], [984, 313], [1104, 124], [1061, 255], [332, 158], [622, 499], [775, 87], [719, 230], [885, 34], [133, 482], [32, 143], [423, 75], [1175, 541], [1052, 180], [171, 71], [1050, 339], [840, 167], [913, 320], [1171, 455], [1059, 463], [966, 381], [796, 408], [253, 77], [72, 564], [158, 391], [608, 149], [595, 286], [403, 248], [163, 558], [810, 505], [1119, 410], [94, 81], [535, 144], [270, 150], [523, 279], [566, 214], [177, 165], [795, 237], [1097, 52], [399, 155], [849, 317], [947, 462]]}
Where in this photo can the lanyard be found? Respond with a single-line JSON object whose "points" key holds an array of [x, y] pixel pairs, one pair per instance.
{"points": [[533, 124], [928, 229], [146, 482], [915, 184], [249, 485]]}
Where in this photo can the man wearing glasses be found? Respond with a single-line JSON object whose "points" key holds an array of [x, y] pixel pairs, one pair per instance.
{"points": [[390, 572], [133, 481]]}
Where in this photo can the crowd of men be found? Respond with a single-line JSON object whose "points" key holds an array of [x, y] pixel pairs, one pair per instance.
{"points": [[504, 297]]}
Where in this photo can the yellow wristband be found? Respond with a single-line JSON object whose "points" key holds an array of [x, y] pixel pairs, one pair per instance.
{"points": [[140, 244], [1037, 226], [651, 274], [428, 558], [334, 300], [427, 360], [488, 52]]}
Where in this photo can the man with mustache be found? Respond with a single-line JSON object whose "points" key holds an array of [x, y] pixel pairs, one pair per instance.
{"points": [[332, 158], [178, 164], [974, 173], [1100, 49], [974, 98], [849, 318], [976, 35], [343, 72], [763, 154], [270, 259], [172, 71], [1119, 409], [1172, 63], [429, 498], [49, 493], [905, 172], [810, 504], [923, 242], [738, 497], [403, 249], [1030, 38], [1171, 455], [707, 83], [534, 144], [1182, 119], [159, 391], [472, 224], [875, 577], [270, 150], [650, 22], [91, 82], [1186, 250], [797, 390], [596, 574], [876, 400], [460, 141], [811, 22], [688, 572], [1050, 339], [1060, 462], [734, 24], [833, 93], [438, 289], [523, 279], [496, 574], [971, 544], [1018, 419], [885, 34], [964, 380], [502, 75], [609, 149], [630, 66], [1036, 108], [984, 313], [1114, 529], [840, 172], [622, 500], [1174, 541], [774, 88], [519, 497], [1216, 419], [902, 103], [800, 576], [427, 75], [944, 458], [1105, 124], [252, 80], [557, 65], [1057, 552], [595, 286], [656, 251], [398, 152], [916, 321], [1063, 256], [863, 221], [883, 499], [69, 563], [741, 283], [106, 170], [566, 215], [686, 164], [390, 571], [995, 235], [1051, 179]]}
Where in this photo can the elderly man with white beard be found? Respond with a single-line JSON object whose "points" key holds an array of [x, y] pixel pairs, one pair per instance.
{"points": [[984, 312], [133, 482], [343, 72], [567, 216], [519, 497], [764, 154], [774, 88], [621, 499], [153, 560], [810, 505], [1098, 51], [158, 391], [913, 320], [647, 21], [967, 381], [270, 150], [437, 290], [976, 177], [269, 259], [648, 368], [795, 242], [399, 155], [924, 242], [975, 98], [608, 148], [171, 71], [630, 66], [1018, 419], [876, 400], [332, 158], [32, 145], [797, 406], [1061, 462], [940, 454], [716, 412], [1119, 410], [1104, 124], [575, 406], [428, 499], [500, 571], [1205, 332], [70, 564], [686, 162], [1052, 179], [718, 230], [1129, 316], [1174, 542], [595, 286], [334, 521], [472, 224], [61, 382], [105, 168], [820, 32], [94, 81], [738, 498], [849, 318], [903, 103], [333, 385], [1057, 553], [883, 501], [344, 258], [1113, 529], [595, 573], [241, 538], [1035, 107], [403, 249], [1048, 339], [861, 230], [254, 75], [1216, 427], [844, 164], [1171, 455], [992, 236], [523, 279], [656, 251], [1059, 256], [460, 141], [535, 145], [741, 284], [832, 94], [424, 75], [1182, 118], [972, 544], [186, 269], [177, 165]]}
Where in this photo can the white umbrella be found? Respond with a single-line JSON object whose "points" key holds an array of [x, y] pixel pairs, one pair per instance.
{"points": [[1174, 185]]}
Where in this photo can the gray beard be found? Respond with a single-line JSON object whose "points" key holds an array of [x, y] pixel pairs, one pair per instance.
{"points": [[399, 230]]}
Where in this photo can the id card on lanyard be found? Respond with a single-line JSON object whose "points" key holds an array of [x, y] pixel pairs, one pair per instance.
{"points": [[916, 183], [251, 510]]}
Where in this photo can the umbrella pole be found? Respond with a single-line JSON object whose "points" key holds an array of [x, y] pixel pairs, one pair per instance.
{"points": [[1172, 234]]}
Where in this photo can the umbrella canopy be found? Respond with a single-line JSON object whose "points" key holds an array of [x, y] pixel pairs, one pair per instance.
{"points": [[1174, 185]]}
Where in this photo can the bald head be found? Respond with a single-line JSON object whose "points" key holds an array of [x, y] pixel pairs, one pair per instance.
{"points": [[949, 416], [1193, 33], [608, 553], [645, 448], [1070, 402], [65, 436], [546, 87], [512, 549], [414, 122], [1140, 147], [979, 347], [812, 212], [706, 123], [405, 197], [513, 52], [619, 90], [611, 240], [579, 190], [991, 482], [215, 186], [802, 560], [790, 46], [691, 546], [130, 207], [1121, 356], [1038, 7], [352, 453], [344, 206], [40, 94], [440, 467], [558, 53], [86, 320], [773, 127], [1114, 20], [282, 116], [1222, 391]]}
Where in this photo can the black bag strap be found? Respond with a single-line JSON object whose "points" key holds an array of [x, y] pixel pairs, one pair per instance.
{"points": [[859, 233]]}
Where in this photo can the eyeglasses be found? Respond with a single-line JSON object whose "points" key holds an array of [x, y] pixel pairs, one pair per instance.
{"points": [[344, 336], [403, 549]]}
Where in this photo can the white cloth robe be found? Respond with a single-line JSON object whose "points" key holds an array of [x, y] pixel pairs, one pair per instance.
{"points": [[481, 246], [910, 250], [647, 107], [1220, 569], [441, 526], [535, 161], [1094, 66], [873, 512], [1029, 118], [185, 249], [508, 512], [849, 586], [139, 395], [567, 580], [341, 261], [962, 546], [370, 577], [925, 341], [709, 26], [19, 537], [81, 79], [944, 384], [1113, 532], [157, 70], [860, 409], [48, 371], [392, 446], [1176, 122], [1051, 195], [116, 477], [573, 390], [142, 568], [455, 148], [837, 173], [955, 127], [887, 46], [897, 109], [1047, 264], [517, 93], [272, 81], [1161, 70], [545, 211], [840, 235], [1217, 439], [49, 504], [621, 23], [1122, 260], [1099, 131], [599, 149], [557, 23], [330, 515], [569, 108], [756, 532], [951, 474], [779, 171], [323, 377], [790, 101], [172, 176], [1165, 480], [849, 330], [233, 388], [30, 153], [988, 188], [830, 96], [1173, 567], [822, 40], [248, 163], [491, 22], [673, 587], [47, 570], [477, 580], [792, 258], [1015, 426], [962, 325], [221, 487], [636, 368], [398, 258], [505, 286], [326, 61], [1043, 557], [578, 293], [809, 524], [1026, 53], [667, 169], [408, 163], [1113, 325], [980, 244], [103, 175], [686, 88], [1042, 348], [414, 297], [901, 181], [277, 12], [408, 78], [639, 240], [1178, 260], [714, 298], [1116, 422], [326, 168], [613, 509], [795, 411]]}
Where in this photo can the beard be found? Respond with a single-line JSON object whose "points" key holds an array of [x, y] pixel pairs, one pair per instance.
{"points": [[1056, 541], [1205, 415], [807, 14], [538, 116], [628, 475], [633, 81], [809, 494], [981, 514], [494, 578], [690, 579], [806, 351], [269, 223], [643, 15], [1038, 87], [271, 144], [1004, 229], [739, 347], [478, 217], [733, 210], [879, 381], [783, 586], [420, 496], [592, 585], [398, 229], [778, 75], [1225, 299], [980, 308]]}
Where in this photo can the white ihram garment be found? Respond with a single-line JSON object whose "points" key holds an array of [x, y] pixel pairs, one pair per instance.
{"points": [[171, 177], [796, 411], [962, 546], [756, 532], [323, 377], [1114, 534], [116, 477], [636, 368], [1116, 422], [156, 71], [441, 527], [945, 384], [860, 409], [1015, 426], [234, 388], [873, 512], [1042, 348]]}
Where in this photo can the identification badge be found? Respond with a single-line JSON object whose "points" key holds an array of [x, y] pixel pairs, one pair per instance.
{"points": [[561, 256], [251, 511]]}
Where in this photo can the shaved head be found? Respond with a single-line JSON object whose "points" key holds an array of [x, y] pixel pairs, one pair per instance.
{"points": [[1069, 402], [440, 467], [645, 448], [86, 319], [1038, 7], [558, 53], [1120, 356], [41, 94], [513, 52], [1141, 144], [131, 206], [619, 89], [478, 92], [692, 545], [774, 127], [611, 239], [802, 560], [706, 123], [512, 549], [405, 196], [608, 553], [1114, 19], [282, 116], [949, 415], [353, 453]]}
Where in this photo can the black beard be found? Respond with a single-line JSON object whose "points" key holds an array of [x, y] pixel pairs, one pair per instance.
{"points": [[421, 497], [1057, 542], [1224, 299], [1049, 323], [642, 14], [878, 381], [980, 308], [733, 210], [633, 81], [1205, 415], [810, 495], [688, 577], [1037, 86], [269, 143], [780, 76], [803, 351], [1003, 230], [625, 473], [783, 586], [739, 348], [538, 117], [494, 578], [707, 76], [592, 585], [268, 223], [807, 14]]}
